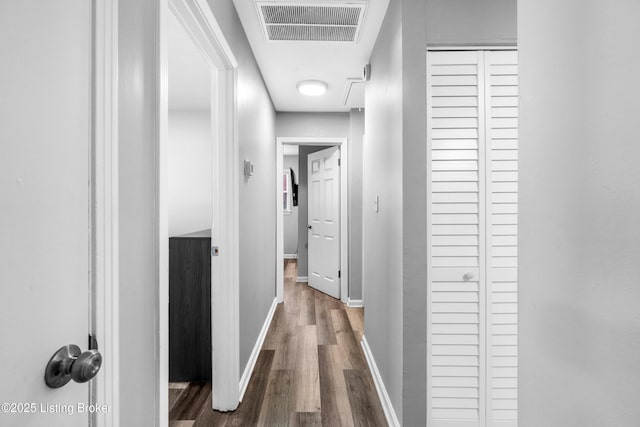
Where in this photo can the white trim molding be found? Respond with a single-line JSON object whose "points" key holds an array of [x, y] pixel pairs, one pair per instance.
{"points": [[481, 46], [104, 233], [290, 256], [302, 279], [200, 24], [253, 358], [355, 303], [387, 406], [162, 208], [344, 218]]}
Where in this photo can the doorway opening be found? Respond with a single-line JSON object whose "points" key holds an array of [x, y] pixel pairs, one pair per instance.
{"points": [[287, 212], [207, 201], [190, 213]]}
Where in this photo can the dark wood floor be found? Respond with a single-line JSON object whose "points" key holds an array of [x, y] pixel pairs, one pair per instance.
{"points": [[311, 371]]}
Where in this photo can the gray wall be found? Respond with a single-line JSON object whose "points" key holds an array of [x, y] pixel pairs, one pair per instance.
{"points": [[382, 160], [395, 156], [579, 202], [460, 22], [138, 233], [189, 176], [414, 211], [312, 124], [303, 208], [256, 137], [290, 220], [356, 120]]}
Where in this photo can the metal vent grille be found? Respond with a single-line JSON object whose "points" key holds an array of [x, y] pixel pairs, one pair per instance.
{"points": [[311, 33], [311, 22]]}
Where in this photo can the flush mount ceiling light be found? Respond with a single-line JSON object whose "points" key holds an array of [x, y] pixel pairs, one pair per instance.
{"points": [[312, 87]]}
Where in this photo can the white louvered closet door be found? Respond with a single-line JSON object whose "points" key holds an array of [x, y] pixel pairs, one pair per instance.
{"points": [[472, 109]]}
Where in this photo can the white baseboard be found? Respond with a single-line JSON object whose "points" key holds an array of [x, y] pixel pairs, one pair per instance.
{"points": [[290, 256], [387, 406], [253, 358], [355, 303], [303, 279]]}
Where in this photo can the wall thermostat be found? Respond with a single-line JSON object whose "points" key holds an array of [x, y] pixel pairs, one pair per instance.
{"points": [[366, 73]]}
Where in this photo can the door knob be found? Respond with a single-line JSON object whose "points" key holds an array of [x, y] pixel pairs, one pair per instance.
{"points": [[467, 277], [308, 227], [69, 363]]}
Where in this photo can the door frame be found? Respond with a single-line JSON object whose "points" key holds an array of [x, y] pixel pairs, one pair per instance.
{"points": [[199, 22], [104, 318], [342, 144], [202, 26]]}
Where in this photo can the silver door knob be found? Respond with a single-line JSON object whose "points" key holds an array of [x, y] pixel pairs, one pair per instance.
{"points": [[467, 277], [69, 363]]}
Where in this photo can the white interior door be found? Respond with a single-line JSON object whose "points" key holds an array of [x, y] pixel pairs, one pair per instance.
{"points": [[324, 220], [457, 332], [501, 106], [472, 137], [45, 82]]}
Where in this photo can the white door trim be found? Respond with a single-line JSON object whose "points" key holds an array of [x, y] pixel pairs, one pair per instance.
{"points": [[344, 236], [201, 25], [104, 230], [449, 47]]}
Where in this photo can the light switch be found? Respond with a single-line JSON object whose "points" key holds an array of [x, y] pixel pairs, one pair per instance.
{"points": [[248, 168]]}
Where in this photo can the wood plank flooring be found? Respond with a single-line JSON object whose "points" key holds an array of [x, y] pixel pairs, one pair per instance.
{"points": [[311, 371]]}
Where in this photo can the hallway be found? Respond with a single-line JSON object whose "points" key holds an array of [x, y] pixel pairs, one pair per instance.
{"points": [[311, 370]]}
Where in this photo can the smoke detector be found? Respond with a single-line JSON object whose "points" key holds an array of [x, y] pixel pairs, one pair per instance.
{"points": [[311, 21]]}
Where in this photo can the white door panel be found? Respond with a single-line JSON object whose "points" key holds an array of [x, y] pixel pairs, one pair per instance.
{"points": [[324, 220], [472, 141], [45, 82]]}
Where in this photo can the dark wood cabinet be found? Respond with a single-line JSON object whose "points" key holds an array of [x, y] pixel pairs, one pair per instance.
{"points": [[189, 309]]}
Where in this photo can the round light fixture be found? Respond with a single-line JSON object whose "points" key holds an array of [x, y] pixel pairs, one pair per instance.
{"points": [[312, 87]]}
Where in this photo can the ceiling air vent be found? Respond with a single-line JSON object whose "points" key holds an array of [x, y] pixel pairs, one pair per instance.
{"points": [[311, 22]]}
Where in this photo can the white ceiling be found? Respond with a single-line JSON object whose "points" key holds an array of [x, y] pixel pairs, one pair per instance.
{"points": [[284, 64], [189, 74]]}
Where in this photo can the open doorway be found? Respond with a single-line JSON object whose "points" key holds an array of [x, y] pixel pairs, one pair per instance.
{"points": [[311, 216], [287, 180], [207, 198], [190, 213]]}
